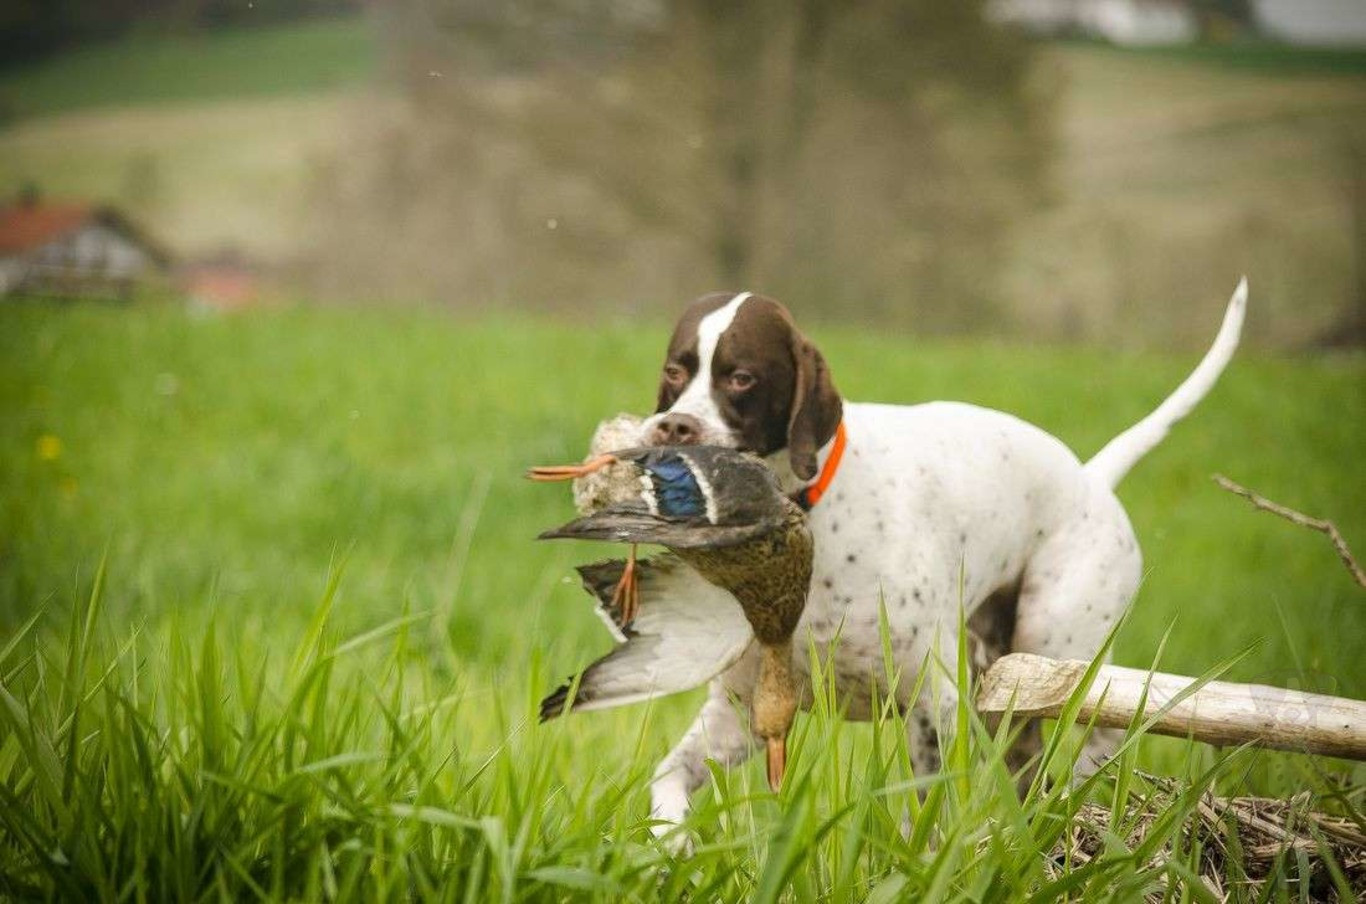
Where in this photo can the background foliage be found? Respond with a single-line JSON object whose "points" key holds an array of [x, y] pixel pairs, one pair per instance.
{"points": [[877, 163]]}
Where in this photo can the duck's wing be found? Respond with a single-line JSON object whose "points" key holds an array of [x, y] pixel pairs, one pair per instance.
{"points": [[621, 524], [685, 633], [727, 486]]}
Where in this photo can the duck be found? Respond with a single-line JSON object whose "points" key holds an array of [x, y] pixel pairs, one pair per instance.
{"points": [[728, 527]]}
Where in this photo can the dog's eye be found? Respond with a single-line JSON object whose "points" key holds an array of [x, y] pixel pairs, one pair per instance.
{"points": [[675, 374], [740, 380]]}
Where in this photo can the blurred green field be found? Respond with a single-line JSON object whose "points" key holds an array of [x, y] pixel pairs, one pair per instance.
{"points": [[232, 63], [233, 459], [226, 468], [212, 141], [1261, 56]]}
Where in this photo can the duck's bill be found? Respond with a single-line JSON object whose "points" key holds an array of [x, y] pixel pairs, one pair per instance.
{"points": [[777, 762]]}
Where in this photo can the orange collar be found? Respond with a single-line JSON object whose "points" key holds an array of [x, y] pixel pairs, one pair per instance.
{"points": [[809, 495]]}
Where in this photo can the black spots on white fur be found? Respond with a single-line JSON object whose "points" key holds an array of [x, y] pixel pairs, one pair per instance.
{"points": [[828, 583], [919, 597], [901, 602], [881, 528], [925, 755], [850, 558], [963, 538], [834, 527], [1038, 534]]}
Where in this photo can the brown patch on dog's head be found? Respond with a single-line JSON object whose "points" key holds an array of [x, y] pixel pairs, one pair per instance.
{"points": [[681, 360], [769, 383]]}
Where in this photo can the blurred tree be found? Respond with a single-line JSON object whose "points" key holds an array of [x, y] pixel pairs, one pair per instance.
{"points": [[855, 155], [1350, 328], [1222, 19]]}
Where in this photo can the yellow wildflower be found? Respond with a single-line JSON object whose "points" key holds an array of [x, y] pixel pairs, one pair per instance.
{"points": [[49, 447]]}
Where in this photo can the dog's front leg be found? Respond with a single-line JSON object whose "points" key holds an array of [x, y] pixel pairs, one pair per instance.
{"points": [[720, 732]]}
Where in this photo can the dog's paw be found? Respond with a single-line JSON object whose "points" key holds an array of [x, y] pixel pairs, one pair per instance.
{"points": [[668, 809], [673, 839]]}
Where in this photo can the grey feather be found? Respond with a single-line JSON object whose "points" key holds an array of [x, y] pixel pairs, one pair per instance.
{"points": [[629, 524]]}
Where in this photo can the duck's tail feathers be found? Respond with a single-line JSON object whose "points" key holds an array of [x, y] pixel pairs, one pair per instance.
{"points": [[1111, 463], [686, 632]]}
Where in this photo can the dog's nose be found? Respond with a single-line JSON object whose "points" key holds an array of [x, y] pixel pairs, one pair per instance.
{"points": [[677, 430]]}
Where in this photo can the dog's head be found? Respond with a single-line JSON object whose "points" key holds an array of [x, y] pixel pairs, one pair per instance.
{"points": [[739, 374]]}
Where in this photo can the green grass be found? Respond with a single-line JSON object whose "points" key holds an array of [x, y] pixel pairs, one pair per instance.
{"points": [[322, 779], [313, 659], [232, 63]]}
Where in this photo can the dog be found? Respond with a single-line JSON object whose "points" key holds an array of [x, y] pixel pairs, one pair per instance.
{"points": [[915, 510]]}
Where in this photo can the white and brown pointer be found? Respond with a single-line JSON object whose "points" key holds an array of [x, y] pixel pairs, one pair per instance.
{"points": [[728, 524]]}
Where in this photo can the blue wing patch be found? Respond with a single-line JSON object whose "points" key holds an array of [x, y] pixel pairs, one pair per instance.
{"points": [[677, 492]]}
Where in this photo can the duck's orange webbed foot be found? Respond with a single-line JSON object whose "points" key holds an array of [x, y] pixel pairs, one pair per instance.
{"points": [[571, 472], [626, 597]]}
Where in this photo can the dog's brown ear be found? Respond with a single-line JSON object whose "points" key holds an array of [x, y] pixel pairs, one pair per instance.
{"points": [[816, 407]]}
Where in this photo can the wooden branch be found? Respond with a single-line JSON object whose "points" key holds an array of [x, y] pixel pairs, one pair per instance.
{"points": [[1220, 712], [1303, 520]]}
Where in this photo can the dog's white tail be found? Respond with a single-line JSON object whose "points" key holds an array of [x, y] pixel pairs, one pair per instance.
{"points": [[1123, 452]]}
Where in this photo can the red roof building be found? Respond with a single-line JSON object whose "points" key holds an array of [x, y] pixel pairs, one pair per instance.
{"points": [[73, 250]]}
